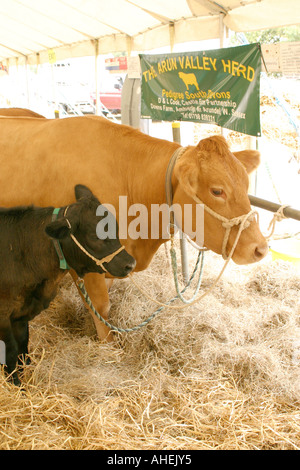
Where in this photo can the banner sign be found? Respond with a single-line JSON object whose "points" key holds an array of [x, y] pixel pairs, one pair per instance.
{"points": [[219, 87], [116, 65]]}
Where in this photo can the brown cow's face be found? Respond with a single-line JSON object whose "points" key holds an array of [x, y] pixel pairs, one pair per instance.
{"points": [[219, 178]]}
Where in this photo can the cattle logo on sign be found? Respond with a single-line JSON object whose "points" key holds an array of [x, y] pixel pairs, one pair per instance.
{"points": [[188, 79], [216, 87]]}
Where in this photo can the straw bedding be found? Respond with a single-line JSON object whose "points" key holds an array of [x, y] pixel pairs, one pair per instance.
{"points": [[224, 374]]}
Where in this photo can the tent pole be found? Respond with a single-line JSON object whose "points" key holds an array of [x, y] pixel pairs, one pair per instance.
{"points": [[177, 138], [27, 83], [96, 77], [172, 35], [221, 29], [38, 70], [8, 95], [19, 99], [183, 242], [221, 38], [54, 94]]}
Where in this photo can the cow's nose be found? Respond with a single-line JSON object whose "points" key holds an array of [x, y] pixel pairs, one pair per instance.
{"points": [[261, 251], [130, 266]]}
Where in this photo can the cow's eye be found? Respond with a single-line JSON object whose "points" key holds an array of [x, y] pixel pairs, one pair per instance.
{"points": [[217, 192]]}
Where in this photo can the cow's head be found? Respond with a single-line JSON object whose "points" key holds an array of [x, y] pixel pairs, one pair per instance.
{"points": [[83, 250], [212, 173]]}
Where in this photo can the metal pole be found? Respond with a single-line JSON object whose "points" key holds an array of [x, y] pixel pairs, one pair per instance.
{"points": [[27, 83], [183, 242], [273, 207], [96, 77], [176, 132], [221, 30], [221, 38], [54, 94]]}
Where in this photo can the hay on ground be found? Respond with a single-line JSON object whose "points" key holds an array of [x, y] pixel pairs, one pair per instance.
{"points": [[224, 374]]}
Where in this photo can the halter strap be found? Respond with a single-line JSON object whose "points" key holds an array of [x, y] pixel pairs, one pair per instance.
{"points": [[62, 260], [168, 178], [242, 220], [99, 262]]}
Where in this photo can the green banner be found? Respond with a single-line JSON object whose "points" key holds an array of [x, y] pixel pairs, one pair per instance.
{"points": [[219, 87]]}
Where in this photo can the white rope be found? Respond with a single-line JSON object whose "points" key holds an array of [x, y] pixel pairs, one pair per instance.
{"points": [[192, 243], [244, 220], [99, 262], [277, 217], [244, 223]]}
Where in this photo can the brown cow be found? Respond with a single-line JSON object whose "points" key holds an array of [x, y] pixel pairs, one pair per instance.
{"points": [[42, 160], [19, 112]]}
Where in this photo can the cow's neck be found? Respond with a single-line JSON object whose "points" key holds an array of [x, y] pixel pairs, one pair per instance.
{"points": [[143, 163], [146, 186]]}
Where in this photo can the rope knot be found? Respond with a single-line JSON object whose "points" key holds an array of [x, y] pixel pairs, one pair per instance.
{"points": [[230, 223], [237, 220], [277, 217]]}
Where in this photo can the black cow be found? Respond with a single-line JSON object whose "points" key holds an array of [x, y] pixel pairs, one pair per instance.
{"points": [[30, 267]]}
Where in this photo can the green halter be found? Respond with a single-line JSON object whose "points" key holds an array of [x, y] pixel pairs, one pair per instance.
{"points": [[62, 260]]}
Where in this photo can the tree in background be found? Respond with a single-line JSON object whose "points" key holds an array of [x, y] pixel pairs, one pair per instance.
{"points": [[271, 36]]}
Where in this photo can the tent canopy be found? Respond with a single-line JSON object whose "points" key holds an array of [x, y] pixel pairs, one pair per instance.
{"points": [[72, 28]]}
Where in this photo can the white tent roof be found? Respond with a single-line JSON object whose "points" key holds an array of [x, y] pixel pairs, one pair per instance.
{"points": [[70, 27]]}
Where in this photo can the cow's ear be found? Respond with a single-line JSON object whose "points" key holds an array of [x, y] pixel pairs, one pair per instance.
{"points": [[249, 158], [187, 173], [82, 191], [58, 229]]}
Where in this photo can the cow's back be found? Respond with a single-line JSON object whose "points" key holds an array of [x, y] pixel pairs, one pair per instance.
{"points": [[42, 160], [19, 112]]}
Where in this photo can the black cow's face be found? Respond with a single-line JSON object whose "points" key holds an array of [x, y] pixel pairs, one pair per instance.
{"points": [[81, 222]]}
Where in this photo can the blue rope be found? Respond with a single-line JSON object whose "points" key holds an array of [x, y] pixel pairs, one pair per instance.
{"points": [[174, 266], [81, 286]]}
